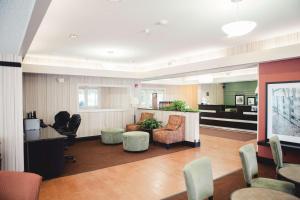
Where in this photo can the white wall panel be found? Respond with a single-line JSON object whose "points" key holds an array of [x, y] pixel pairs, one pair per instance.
{"points": [[11, 121], [47, 96]]}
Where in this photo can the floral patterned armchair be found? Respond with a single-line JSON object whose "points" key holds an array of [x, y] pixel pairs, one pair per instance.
{"points": [[136, 127], [173, 132]]}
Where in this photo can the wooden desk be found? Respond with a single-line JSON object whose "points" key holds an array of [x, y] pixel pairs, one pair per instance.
{"points": [[261, 194], [44, 152]]}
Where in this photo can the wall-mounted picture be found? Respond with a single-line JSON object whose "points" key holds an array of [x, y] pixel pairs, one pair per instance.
{"points": [[239, 99], [154, 101], [283, 111], [251, 101]]}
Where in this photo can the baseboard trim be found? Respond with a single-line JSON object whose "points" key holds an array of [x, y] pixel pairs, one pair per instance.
{"points": [[95, 137], [192, 144]]}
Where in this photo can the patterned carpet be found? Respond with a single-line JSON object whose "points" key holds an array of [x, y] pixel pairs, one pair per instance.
{"points": [[93, 155]]}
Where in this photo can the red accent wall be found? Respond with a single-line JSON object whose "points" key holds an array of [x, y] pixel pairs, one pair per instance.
{"points": [[286, 70]]}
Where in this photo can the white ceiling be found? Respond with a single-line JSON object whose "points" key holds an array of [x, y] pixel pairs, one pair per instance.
{"points": [[14, 17], [194, 27]]}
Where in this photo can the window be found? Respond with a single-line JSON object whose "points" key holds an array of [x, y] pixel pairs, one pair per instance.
{"points": [[88, 97], [146, 96], [97, 98]]}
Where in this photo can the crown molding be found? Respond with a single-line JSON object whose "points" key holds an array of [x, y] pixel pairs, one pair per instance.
{"points": [[236, 61]]}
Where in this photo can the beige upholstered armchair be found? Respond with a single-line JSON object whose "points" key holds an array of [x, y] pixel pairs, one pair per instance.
{"points": [[173, 132], [136, 127]]}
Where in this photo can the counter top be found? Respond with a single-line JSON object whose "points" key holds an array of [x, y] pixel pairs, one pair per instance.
{"points": [[166, 110], [42, 134]]}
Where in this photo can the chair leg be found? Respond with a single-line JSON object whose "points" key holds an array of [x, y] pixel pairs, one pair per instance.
{"points": [[70, 158]]}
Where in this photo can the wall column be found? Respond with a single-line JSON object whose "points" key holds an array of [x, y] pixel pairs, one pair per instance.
{"points": [[11, 117]]}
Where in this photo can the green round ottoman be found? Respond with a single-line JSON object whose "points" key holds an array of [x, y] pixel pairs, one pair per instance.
{"points": [[112, 135], [135, 141]]}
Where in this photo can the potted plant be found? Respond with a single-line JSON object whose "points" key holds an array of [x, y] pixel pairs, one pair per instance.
{"points": [[179, 105], [149, 124]]}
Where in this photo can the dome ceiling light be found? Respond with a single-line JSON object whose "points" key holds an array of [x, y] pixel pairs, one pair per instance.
{"points": [[238, 27]]}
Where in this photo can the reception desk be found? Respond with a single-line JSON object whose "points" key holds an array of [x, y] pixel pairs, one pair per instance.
{"points": [[192, 128], [241, 118]]}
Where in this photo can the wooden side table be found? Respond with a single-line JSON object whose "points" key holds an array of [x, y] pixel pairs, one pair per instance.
{"points": [[291, 174]]}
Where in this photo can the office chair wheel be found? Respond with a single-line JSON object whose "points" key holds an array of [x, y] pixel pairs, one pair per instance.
{"points": [[70, 158]]}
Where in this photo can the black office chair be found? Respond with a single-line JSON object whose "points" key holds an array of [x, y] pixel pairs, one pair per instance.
{"points": [[71, 132], [61, 120]]}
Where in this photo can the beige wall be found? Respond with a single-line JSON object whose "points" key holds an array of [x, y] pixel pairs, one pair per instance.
{"points": [[215, 91], [188, 93], [45, 94]]}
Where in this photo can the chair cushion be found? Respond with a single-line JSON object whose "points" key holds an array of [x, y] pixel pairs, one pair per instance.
{"points": [[249, 162], [19, 185], [198, 179], [172, 127], [273, 184], [144, 116], [133, 127], [167, 137], [276, 151]]}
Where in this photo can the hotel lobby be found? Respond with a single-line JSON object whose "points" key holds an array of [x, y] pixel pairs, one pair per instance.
{"points": [[137, 99]]}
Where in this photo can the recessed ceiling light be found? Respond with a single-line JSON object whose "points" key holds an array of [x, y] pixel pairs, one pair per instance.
{"points": [[110, 52], [163, 22], [73, 36], [146, 30]]}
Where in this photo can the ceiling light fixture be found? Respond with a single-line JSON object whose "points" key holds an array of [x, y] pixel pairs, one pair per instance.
{"points": [[110, 52], [146, 30], [73, 36], [238, 27], [162, 22]]}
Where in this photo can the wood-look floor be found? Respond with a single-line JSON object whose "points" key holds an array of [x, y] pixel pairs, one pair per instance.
{"points": [[153, 178]]}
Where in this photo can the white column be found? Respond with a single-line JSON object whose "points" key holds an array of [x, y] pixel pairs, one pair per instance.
{"points": [[11, 117]]}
